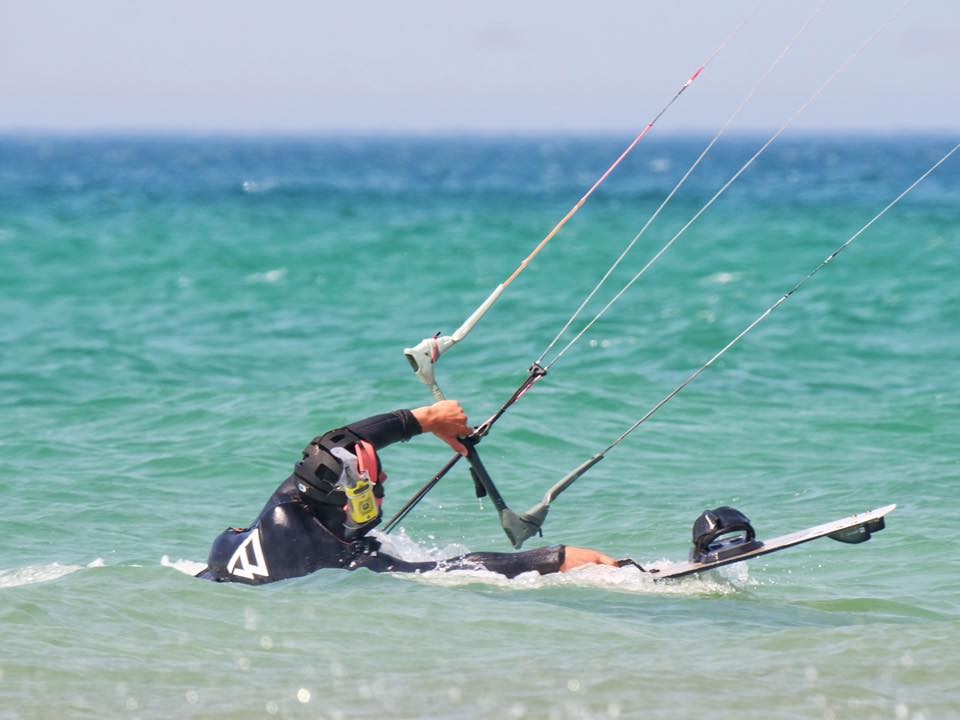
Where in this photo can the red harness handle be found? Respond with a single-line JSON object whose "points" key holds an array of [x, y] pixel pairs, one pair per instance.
{"points": [[368, 461]]}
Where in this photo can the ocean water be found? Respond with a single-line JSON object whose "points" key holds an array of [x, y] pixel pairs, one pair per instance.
{"points": [[181, 315]]}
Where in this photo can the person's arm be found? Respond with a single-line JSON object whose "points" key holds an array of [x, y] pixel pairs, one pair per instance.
{"points": [[575, 557], [546, 560], [445, 419], [388, 428]]}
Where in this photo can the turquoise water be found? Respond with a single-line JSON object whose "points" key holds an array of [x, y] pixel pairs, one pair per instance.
{"points": [[181, 315]]}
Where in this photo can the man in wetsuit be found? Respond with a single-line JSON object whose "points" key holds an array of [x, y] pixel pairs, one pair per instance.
{"points": [[304, 526]]}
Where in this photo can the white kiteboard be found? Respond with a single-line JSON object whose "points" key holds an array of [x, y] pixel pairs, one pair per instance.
{"points": [[854, 529]]}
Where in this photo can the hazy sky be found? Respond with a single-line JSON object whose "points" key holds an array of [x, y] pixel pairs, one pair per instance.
{"points": [[474, 66]]}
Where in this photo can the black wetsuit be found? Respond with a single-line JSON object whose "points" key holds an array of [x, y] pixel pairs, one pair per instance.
{"points": [[295, 536]]}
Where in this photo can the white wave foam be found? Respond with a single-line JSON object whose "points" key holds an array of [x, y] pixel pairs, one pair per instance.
{"points": [[187, 567], [626, 579], [402, 546], [33, 574], [254, 187], [723, 278], [270, 276]]}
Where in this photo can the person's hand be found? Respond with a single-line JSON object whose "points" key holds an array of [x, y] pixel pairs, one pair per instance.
{"points": [[574, 557], [447, 420]]}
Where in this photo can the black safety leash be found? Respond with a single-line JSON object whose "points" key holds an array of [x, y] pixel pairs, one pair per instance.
{"points": [[481, 478]]}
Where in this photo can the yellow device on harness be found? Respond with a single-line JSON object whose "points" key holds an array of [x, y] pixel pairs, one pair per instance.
{"points": [[361, 502]]}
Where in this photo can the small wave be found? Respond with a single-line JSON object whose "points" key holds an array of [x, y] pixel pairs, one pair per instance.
{"points": [[624, 580], [270, 276], [878, 607], [187, 567], [254, 187], [659, 164], [33, 574], [723, 278]]}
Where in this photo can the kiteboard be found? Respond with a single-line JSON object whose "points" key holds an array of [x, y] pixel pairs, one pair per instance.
{"points": [[725, 549]]}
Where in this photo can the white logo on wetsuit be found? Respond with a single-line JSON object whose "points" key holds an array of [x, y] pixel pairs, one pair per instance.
{"points": [[248, 569]]}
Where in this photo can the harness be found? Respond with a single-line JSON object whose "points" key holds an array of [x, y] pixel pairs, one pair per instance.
{"points": [[318, 472]]}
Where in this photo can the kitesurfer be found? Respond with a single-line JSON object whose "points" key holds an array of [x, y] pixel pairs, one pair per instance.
{"points": [[320, 516]]}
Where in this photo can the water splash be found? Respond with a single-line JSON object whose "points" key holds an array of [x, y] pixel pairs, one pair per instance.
{"points": [[627, 579], [34, 574], [187, 567], [599, 577]]}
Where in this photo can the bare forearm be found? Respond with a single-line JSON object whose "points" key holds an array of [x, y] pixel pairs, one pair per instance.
{"points": [[445, 419]]}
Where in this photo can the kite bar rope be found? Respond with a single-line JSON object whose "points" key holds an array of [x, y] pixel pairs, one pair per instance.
{"points": [[580, 203], [763, 316], [680, 184], [530, 522], [715, 197], [424, 356]]}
